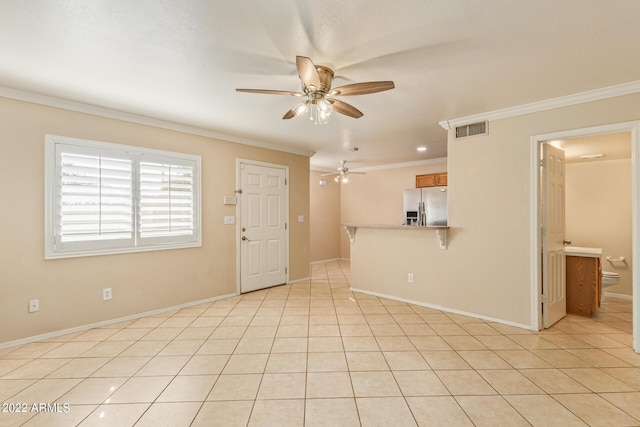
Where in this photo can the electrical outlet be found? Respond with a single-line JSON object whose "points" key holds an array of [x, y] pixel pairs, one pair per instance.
{"points": [[34, 305], [106, 294], [410, 277]]}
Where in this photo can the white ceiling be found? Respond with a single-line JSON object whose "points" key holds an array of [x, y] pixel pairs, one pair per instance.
{"points": [[181, 61], [612, 146]]}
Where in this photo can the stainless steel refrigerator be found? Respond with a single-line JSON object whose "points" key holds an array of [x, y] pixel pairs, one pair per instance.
{"points": [[425, 206]]}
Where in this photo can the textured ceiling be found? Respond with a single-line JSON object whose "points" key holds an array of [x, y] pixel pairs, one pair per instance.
{"points": [[181, 61]]}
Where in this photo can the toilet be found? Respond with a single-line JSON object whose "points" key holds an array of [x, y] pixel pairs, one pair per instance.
{"points": [[609, 278]]}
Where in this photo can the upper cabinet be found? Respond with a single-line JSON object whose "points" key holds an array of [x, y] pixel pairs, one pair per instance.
{"points": [[431, 180], [425, 181]]}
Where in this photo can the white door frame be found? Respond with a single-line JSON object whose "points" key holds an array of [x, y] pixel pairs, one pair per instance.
{"points": [[239, 162], [536, 276]]}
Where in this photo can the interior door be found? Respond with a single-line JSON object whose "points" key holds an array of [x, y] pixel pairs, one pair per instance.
{"points": [[263, 227], [554, 301]]}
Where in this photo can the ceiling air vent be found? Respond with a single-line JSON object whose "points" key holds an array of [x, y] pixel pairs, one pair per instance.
{"points": [[471, 130]]}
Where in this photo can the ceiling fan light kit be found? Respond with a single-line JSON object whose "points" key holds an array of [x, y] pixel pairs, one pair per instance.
{"points": [[343, 173], [319, 110], [316, 87]]}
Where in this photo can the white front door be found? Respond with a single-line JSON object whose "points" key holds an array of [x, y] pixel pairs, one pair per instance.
{"points": [[554, 301], [263, 214]]}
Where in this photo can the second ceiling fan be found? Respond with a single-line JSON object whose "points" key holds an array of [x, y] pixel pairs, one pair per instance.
{"points": [[343, 173], [316, 87]]}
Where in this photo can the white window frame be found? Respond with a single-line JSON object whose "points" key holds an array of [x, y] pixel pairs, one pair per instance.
{"points": [[53, 246]]}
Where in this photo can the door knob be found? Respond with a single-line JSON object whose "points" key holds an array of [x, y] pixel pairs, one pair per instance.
{"points": [[245, 238], [566, 242]]}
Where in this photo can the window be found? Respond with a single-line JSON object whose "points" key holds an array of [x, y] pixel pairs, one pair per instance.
{"points": [[106, 198]]}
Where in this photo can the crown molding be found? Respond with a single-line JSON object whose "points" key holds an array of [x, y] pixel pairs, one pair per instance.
{"points": [[383, 167], [549, 104], [400, 165], [95, 110]]}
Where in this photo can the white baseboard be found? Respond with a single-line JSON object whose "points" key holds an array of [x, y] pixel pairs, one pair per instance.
{"points": [[304, 279], [621, 296], [449, 310], [54, 334], [325, 261], [330, 260]]}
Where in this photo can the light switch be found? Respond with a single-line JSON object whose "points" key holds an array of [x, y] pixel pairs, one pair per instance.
{"points": [[229, 219], [300, 218]]}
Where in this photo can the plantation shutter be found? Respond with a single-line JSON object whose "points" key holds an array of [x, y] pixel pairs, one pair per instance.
{"points": [[103, 198], [95, 196], [166, 207]]}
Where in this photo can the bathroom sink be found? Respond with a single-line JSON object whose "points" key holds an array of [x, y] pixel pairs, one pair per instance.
{"points": [[582, 251]]}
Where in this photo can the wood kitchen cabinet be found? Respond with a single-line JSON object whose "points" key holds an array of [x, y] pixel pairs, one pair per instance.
{"points": [[441, 179], [431, 180], [584, 284]]}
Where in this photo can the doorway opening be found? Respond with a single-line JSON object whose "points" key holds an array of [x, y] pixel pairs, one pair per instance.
{"points": [[630, 128]]}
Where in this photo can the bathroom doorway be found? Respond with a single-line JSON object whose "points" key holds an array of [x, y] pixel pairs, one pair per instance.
{"points": [[623, 148], [598, 202]]}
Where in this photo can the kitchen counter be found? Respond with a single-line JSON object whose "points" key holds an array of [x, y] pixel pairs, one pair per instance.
{"points": [[440, 230], [402, 227]]}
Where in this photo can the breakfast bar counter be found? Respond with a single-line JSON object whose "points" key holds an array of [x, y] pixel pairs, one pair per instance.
{"points": [[422, 266], [441, 231]]}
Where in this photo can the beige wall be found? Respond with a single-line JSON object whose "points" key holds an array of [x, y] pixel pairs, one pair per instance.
{"points": [[324, 217], [487, 268], [70, 289], [598, 213], [376, 198]]}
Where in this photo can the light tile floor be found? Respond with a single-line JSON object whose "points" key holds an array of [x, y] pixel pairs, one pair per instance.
{"points": [[316, 354]]}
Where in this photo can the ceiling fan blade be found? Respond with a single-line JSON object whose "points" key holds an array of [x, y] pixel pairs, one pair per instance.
{"points": [[346, 109], [362, 88], [357, 173], [308, 72], [271, 92], [330, 173], [289, 114]]}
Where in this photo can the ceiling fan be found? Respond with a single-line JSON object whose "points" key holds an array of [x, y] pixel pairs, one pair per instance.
{"points": [[316, 87], [343, 173]]}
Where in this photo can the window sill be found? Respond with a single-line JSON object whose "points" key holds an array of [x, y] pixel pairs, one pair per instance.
{"points": [[116, 251]]}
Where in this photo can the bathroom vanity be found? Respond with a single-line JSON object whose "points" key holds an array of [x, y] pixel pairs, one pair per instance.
{"points": [[584, 280]]}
